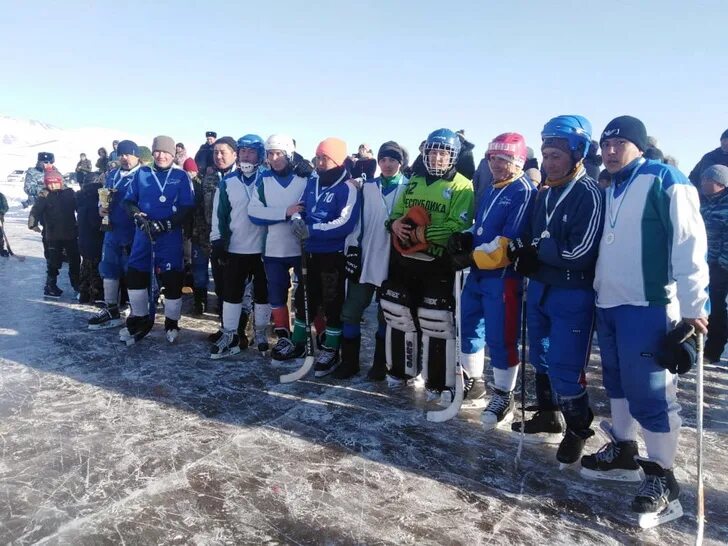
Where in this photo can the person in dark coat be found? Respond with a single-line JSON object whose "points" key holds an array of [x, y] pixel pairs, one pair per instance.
{"points": [[719, 156], [90, 241], [55, 210], [593, 161], [203, 157]]}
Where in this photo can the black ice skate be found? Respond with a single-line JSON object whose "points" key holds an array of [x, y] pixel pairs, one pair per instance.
{"points": [[499, 411], [108, 317], [136, 329], [285, 349], [226, 345], [657, 498], [51, 289], [572, 445], [614, 461], [544, 427], [326, 362]]}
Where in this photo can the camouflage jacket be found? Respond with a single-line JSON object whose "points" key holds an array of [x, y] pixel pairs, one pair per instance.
{"points": [[202, 216], [33, 181]]}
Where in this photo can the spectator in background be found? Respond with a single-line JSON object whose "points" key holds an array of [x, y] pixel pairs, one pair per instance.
{"points": [[530, 167], [362, 163], [466, 163], [203, 157], [3, 209], [180, 155], [593, 161], [83, 169], [90, 240], [714, 188], [670, 160], [34, 177], [145, 156], [114, 155], [719, 156], [604, 179], [102, 163], [654, 154]]}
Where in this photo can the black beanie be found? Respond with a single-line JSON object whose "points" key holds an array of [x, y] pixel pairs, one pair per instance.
{"points": [[391, 149], [628, 128], [228, 141], [724, 135]]}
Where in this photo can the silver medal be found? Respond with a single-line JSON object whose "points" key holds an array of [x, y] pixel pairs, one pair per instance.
{"points": [[480, 231], [545, 234], [610, 238], [162, 198]]}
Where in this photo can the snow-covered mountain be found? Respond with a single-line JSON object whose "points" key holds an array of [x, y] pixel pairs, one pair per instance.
{"points": [[22, 139]]}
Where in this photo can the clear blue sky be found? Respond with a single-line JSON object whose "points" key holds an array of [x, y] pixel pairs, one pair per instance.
{"points": [[369, 72]]}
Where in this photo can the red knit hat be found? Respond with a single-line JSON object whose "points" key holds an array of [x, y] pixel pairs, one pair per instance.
{"points": [[190, 166], [334, 149], [52, 179]]}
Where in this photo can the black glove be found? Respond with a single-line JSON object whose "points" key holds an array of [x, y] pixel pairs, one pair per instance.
{"points": [[142, 222], [353, 263], [460, 249], [460, 243], [159, 226], [302, 168], [218, 253], [524, 256]]}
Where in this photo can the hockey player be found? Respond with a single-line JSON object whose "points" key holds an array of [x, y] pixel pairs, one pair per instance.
{"points": [[491, 300], [34, 177], [278, 197], [330, 213], [558, 251], [655, 233], [55, 210], [119, 237], [367, 257], [224, 157], [241, 245], [158, 198], [416, 298]]}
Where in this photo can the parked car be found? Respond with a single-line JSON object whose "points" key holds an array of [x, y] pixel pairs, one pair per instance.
{"points": [[16, 176]]}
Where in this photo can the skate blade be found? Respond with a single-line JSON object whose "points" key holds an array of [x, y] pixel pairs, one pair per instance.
{"points": [[104, 326], [492, 425], [477, 403], [538, 438], [673, 511], [612, 475], [232, 352], [51, 297]]}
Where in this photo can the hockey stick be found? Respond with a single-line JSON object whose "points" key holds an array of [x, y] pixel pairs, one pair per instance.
{"points": [[153, 285], [521, 437], [7, 244], [308, 361], [700, 510], [439, 416]]}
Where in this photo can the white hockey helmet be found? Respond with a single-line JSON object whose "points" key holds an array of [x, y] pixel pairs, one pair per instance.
{"points": [[284, 143]]}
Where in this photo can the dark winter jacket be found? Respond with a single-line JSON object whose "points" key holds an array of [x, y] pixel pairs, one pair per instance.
{"points": [[716, 157], [568, 256], [56, 212], [203, 158], [592, 162], [715, 215], [363, 166], [90, 236]]}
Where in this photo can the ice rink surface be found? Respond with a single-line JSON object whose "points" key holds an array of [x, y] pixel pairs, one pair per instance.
{"points": [[158, 444]]}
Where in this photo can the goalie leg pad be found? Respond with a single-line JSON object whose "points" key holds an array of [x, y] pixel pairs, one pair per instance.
{"points": [[437, 324], [401, 341]]}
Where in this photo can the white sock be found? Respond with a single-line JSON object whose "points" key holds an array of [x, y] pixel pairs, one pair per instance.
{"points": [[473, 364], [661, 446], [505, 380], [111, 291], [139, 300], [173, 308], [624, 426], [262, 316], [231, 315]]}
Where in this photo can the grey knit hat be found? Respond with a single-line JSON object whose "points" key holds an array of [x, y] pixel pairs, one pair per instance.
{"points": [[716, 173]]}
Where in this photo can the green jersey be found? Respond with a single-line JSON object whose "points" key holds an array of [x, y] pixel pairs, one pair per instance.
{"points": [[449, 202]]}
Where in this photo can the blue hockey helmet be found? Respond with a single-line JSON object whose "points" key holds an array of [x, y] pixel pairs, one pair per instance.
{"points": [[441, 139], [576, 130], [253, 142]]}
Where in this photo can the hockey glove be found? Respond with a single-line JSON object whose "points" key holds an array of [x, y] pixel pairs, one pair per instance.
{"points": [[302, 168], [524, 256], [678, 351], [300, 229], [460, 249], [218, 253], [353, 263], [157, 227]]}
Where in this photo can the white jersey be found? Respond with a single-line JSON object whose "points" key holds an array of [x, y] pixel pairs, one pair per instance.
{"points": [[231, 218], [268, 208]]}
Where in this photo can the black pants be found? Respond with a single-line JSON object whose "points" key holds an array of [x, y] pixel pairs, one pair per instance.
{"points": [[54, 259], [236, 273], [170, 280], [325, 286], [718, 320]]}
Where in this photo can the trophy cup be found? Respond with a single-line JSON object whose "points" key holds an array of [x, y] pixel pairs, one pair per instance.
{"points": [[105, 195]]}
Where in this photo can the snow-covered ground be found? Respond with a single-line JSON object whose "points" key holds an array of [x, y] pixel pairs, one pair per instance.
{"points": [[157, 444]]}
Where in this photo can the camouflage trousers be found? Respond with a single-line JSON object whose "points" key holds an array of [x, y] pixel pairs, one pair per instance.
{"points": [[90, 283]]}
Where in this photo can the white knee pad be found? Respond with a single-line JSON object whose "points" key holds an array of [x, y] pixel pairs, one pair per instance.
{"points": [[139, 300], [399, 317], [173, 308], [438, 324], [262, 316], [111, 291]]}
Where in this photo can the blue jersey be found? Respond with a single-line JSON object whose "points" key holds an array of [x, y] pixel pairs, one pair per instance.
{"points": [[331, 213], [161, 193], [122, 226]]}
